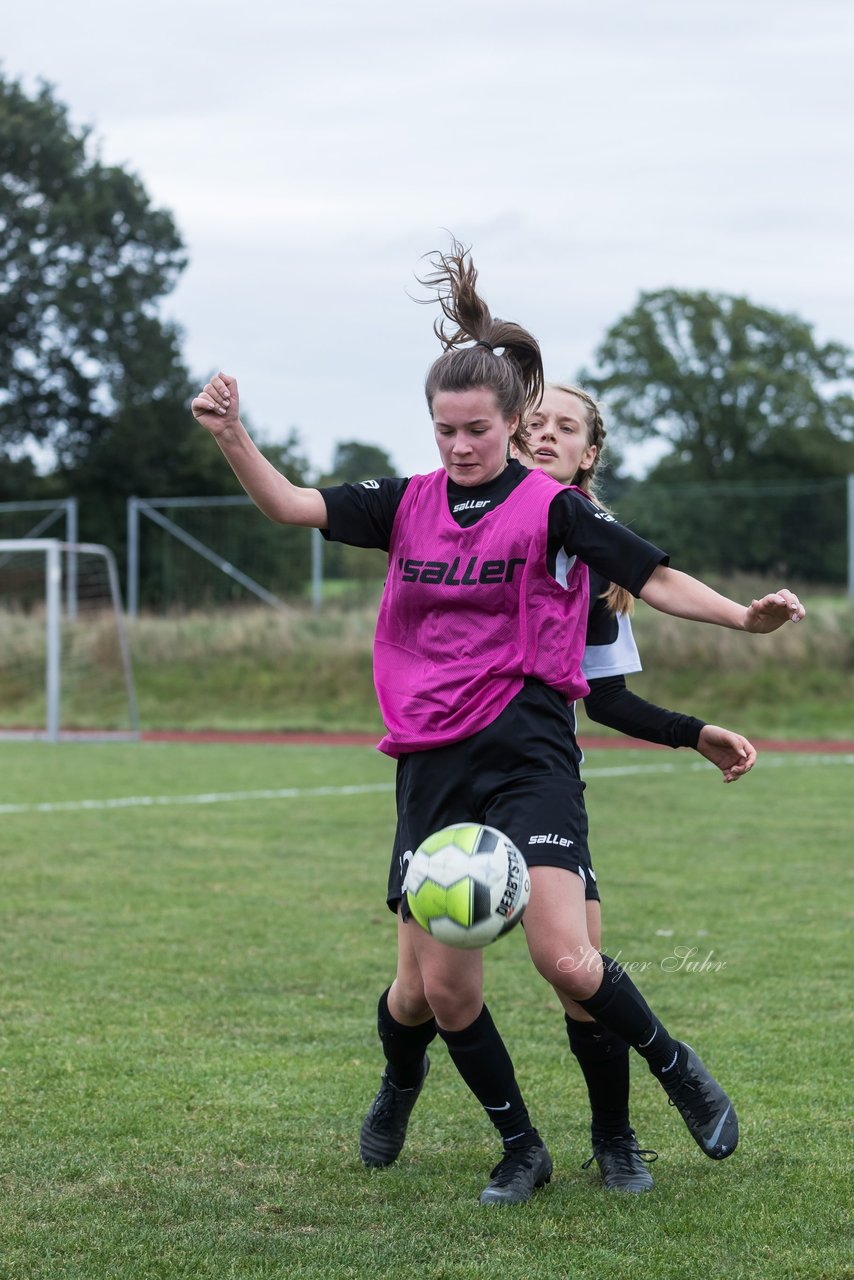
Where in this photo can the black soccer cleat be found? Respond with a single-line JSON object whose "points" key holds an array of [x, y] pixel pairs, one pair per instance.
{"points": [[518, 1175], [705, 1108], [384, 1127], [622, 1163]]}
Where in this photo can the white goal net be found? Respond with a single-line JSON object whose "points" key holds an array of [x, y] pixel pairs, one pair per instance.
{"points": [[65, 670]]}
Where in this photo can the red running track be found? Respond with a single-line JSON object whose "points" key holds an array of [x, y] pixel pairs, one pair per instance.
{"points": [[370, 740]]}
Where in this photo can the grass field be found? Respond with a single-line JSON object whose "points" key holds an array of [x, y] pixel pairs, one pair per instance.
{"points": [[188, 1041]]}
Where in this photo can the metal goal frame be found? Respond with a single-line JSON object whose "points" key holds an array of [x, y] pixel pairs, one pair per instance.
{"points": [[54, 550]]}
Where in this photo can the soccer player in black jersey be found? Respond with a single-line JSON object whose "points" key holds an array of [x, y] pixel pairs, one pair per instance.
{"points": [[566, 439]]}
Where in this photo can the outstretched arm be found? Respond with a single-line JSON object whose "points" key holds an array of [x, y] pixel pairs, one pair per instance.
{"points": [[678, 593], [609, 702], [217, 408]]}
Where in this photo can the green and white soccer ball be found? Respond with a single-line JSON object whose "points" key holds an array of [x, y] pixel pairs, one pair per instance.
{"points": [[467, 885]]}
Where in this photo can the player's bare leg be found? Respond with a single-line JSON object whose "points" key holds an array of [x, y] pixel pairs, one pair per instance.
{"points": [[560, 946]]}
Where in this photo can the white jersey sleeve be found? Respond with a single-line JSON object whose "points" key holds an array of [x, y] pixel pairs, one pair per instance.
{"points": [[619, 657]]}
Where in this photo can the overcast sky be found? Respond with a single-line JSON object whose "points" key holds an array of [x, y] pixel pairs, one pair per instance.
{"points": [[586, 149]]}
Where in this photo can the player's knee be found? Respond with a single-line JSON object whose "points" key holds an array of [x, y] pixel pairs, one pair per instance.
{"points": [[411, 1003], [407, 998], [454, 1006], [575, 972]]}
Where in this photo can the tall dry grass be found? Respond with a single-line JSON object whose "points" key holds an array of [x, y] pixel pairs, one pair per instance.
{"points": [[263, 669], [826, 638]]}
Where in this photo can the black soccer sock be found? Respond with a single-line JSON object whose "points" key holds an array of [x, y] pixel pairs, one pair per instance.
{"points": [[480, 1056], [620, 1007], [404, 1047], [604, 1060]]}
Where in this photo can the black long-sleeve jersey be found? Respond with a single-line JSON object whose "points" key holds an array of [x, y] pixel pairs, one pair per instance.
{"points": [[363, 515], [610, 656]]}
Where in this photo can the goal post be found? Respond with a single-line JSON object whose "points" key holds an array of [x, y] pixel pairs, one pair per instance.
{"points": [[65, 668]]}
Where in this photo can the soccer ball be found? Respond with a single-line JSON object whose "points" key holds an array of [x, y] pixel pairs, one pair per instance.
{"points": [[467, 885]]}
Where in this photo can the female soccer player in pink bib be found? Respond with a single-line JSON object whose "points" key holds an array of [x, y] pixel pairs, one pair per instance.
{"points": [[477, 661]]}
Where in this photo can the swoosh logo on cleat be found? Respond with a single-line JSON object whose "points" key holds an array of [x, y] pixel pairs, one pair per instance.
{"points": [[505, 1107], [710, 1142]]}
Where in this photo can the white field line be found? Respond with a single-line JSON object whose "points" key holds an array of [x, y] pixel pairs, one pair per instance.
{"points": [[780, 760], [210, 797], [777, 761]]}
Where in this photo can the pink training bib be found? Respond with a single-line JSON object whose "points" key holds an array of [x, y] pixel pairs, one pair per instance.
{"points": [[467, 614]]}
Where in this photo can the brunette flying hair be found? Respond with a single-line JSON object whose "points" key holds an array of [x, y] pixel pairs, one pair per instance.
{"points": [[515, 377]]}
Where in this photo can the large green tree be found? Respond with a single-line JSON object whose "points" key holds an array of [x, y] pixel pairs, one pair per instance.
{"points": [[759, 417], [85, 260], [95, 392], [723, 380]]}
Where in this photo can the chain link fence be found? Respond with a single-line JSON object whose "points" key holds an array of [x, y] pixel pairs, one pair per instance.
{"points": [[201, 553]]}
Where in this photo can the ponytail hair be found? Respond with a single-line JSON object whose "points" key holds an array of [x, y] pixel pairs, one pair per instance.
{"points": [[515, 377]]}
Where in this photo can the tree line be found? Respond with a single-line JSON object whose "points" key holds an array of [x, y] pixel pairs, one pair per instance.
{"points": [[94, 389]]}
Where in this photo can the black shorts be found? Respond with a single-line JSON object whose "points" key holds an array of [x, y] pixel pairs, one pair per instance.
{"points": [[520, 774]]}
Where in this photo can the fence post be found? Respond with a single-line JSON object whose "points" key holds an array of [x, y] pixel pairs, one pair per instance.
{"points": [[71, 559], [133, 558], [851, 538], [53, 597]]}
